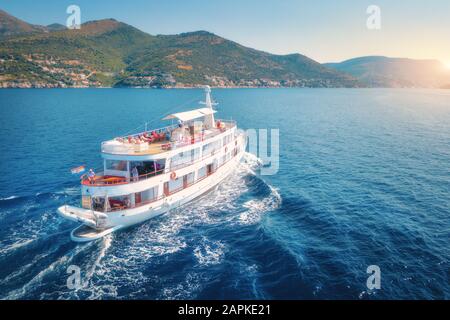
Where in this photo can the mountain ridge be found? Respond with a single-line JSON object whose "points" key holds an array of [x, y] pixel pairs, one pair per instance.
{"points": [[11, 26], [112, 53], [382, 71]]}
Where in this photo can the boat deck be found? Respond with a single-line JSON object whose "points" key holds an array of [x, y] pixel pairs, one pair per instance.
{"points": [[154, 148], [157, 147]]}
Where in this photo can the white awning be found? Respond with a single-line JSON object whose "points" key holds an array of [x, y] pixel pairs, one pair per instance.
{"points": [[190, 115]]}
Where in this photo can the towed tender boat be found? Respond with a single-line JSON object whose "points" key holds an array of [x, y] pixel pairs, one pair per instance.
{"points": [[149, 173]]}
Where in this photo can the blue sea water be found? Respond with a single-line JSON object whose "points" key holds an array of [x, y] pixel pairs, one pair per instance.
{"points": [[364, 179]]}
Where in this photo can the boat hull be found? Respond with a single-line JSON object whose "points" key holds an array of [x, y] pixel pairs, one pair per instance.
{"points": [[90, 230]]}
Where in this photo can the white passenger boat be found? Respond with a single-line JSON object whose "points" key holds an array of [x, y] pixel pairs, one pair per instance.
{"points": [[151, 172]]}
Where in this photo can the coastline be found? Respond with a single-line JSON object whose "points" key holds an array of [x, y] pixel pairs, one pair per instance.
{"points": [[228, 87]]}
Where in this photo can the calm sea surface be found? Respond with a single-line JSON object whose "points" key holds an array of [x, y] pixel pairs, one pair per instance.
{"points": [[364, 179]]}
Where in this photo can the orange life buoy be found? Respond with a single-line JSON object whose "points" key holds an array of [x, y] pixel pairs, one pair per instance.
{"points": [[173, 175]]}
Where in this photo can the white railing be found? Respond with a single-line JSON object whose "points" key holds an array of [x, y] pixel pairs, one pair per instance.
{"points": [[125, 147]]}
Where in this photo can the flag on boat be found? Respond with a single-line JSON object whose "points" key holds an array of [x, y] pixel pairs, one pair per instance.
{"points": [[78, 170]]}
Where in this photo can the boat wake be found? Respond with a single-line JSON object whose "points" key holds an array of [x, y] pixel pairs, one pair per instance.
{"points": [[38, 281], [122, 265]]}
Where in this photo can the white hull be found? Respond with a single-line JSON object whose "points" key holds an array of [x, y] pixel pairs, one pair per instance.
{"points": [[113, 221]]}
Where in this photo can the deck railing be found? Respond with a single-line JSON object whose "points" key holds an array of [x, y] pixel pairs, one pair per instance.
{"points": [[101, 179], [129, 147]]}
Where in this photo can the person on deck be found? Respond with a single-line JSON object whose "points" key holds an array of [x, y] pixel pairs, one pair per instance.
{"points": [[135, 174], [168, 134], [91, 176]]}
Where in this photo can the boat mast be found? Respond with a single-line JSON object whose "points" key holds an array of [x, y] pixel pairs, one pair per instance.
{"points": [[209, 119]]}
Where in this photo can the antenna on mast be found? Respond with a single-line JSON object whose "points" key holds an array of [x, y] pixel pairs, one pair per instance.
{"points": [[209, 119], [208, 101]]}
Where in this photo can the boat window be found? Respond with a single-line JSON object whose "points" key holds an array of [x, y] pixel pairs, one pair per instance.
{"points": [[98, 204], [227, 139], [176, 184], [160, 165], [119, 203], [211, 147], [149, 194], [182, 158], [189, 179], [118, 165], [222, 160], [201, 173], [148, 168], [196, 153], [210, 169]]}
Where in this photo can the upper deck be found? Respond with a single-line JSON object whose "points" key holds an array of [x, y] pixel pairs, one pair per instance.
{"points": [[157, 141]]}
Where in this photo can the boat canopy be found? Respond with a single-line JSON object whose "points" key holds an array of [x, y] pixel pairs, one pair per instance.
{"points": [[190, 115]]}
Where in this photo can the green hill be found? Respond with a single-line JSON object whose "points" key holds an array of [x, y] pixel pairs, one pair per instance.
{"points": [[112, 53], [199, 57]]}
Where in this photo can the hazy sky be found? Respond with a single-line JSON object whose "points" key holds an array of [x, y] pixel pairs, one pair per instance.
{"points": [[323, 30]]}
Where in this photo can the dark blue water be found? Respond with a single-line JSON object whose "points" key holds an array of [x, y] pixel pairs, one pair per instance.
{"points": [[364, 179]]}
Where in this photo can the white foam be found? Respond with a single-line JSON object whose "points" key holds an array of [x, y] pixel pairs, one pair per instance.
{"points": [[251, 160], [15, 245], [71, 191], [256, 208], [28, 266], [106, 244], [29, 231], [99, 280], [186, 289], [123, 261], [209, 252], [9, 198], [225, 196]]}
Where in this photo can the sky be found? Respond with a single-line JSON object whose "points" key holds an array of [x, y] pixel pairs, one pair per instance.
{"points": [[326, 31]]}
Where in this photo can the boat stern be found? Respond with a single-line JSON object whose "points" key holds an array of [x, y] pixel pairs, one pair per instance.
{"points": [[93, 219], [94, 224]]}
